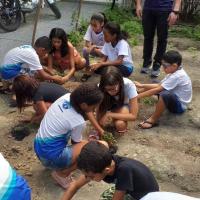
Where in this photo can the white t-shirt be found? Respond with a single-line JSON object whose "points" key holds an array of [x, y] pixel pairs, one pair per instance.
{"points": [[167, 196], [60, 119], [26, 55], [180, 84], [95, 38], [130, 91], [12, 186], [121, 49]]}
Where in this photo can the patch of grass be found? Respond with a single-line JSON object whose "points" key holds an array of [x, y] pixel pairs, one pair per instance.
{"points": [[149, 101], [185, 30]]}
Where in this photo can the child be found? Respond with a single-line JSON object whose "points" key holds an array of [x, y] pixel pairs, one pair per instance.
{"points": [[94, 39], [25, 59], [63, 55], [65, 119], [167, 196], [175, 90], [120, 99], [12, 185], [129, 176], [116, 51], [43, 94]]}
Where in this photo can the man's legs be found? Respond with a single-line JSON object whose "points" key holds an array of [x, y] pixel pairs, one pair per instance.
{"points": [[162, 34], [149, 26]]}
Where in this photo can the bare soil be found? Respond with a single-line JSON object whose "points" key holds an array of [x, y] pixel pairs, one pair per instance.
{"points": [[171, 150]]}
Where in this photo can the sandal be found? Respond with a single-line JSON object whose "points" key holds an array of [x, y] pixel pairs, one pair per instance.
{"points": [[63, 182], [85, 77], [147, 122]]}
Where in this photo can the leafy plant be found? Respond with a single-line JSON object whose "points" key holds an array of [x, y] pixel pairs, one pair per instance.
{"points": [[109, 138]]}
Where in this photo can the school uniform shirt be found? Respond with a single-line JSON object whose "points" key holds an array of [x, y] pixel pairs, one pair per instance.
{"points": [[12, 186], [121, 49], [60, 123], [23, 59], [167, 196], [130, 91], [49, 92], [133, 177], [95, 38], [180, 84]]}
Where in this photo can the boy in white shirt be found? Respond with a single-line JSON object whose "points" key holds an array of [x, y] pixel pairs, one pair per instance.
{"points": [[26, 59], [175, 90]]}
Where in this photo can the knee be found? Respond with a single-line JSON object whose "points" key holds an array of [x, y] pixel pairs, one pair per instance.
{"points": [[120, 125]]}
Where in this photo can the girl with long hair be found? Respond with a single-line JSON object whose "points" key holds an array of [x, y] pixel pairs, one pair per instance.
{"points": [[63, 55], [27, 89]]}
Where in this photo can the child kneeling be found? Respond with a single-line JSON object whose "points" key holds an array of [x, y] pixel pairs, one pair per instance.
{"points": [[97, 163], [175, 90]]}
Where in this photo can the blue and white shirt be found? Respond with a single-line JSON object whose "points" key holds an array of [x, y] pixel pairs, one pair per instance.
{"points": [[60, 123], [19, 60], [12, 186]]}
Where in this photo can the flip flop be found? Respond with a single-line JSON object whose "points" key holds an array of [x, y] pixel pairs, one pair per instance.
{"points": [[85, 77], [63, 182], [147, 122]]}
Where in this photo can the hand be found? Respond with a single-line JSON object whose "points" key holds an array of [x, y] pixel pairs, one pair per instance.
{"points": [[139, 11], [105, 119], [95, 66], [138, 84], [172, 18]]}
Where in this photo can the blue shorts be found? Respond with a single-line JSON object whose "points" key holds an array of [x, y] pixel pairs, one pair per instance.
{"points": [[61, 161], [172, 102]]}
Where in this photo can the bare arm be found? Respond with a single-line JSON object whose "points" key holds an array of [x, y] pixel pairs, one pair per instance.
{"points": [[74, 187], [146, 86], [41, 109], [106, 62], [119, 195], [138, 9], [94, 122], [72, 64], [173, 17], [150, 92], [131, 116]]}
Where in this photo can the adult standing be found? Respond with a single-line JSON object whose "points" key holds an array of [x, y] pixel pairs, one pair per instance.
{"points": [[157, 15]]}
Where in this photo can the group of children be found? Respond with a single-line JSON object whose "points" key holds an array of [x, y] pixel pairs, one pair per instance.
{"points": [[58, 143]]}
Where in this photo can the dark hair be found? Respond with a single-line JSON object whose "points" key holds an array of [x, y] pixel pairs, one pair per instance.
{"points": [[172, 57], [24, 88], [100, 17], [112, 76], [114, 28], [88, 93], [94, 157], [43, 42], [60, 34]]}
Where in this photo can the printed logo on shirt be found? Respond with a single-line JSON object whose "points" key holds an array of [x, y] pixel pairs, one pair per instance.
{"points": [[66, 105], [25, 47]]}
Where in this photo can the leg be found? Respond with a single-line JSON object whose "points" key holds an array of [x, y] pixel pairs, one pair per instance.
{"points": [[149, 26], [162, 34], [76, 149], [121, 125], [79, 62], [149, 123]]}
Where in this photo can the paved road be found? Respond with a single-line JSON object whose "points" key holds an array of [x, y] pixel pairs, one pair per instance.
{"points": [[47, 21]]}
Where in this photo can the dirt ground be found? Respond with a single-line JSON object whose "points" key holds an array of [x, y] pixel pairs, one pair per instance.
{"points": [[171, 150]]}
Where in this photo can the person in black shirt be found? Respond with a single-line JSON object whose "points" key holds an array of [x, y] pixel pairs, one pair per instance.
{"points": [[129, 176], [43, 94]]}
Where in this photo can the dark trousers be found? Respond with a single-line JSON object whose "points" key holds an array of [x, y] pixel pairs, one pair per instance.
{"points": [[154, 21]]}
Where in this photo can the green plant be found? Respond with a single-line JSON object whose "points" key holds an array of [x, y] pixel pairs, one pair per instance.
{"points": [[149, 101], [109, 138]]}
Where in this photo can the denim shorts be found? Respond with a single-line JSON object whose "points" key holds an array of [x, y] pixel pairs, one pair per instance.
{"points": [[62, 161], [172, 102]]}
